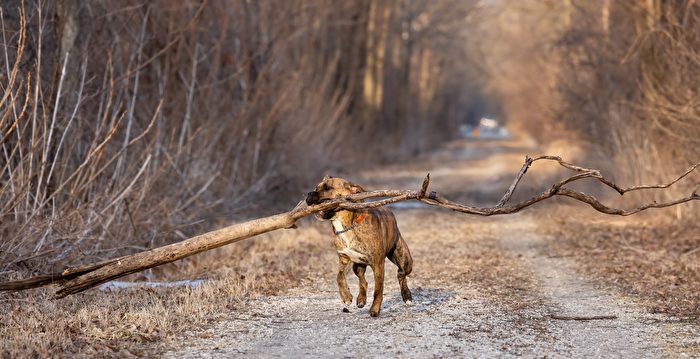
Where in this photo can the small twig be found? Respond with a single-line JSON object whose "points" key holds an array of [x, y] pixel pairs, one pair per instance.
{"points": [[126, 190], [424, 187], [692, 251], [582, 318], [40, 254], [511, 189], [128, 212]]}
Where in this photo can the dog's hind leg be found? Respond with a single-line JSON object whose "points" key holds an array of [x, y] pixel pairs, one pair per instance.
{"points": [[401, 256], [343, 264], [359, 270], [378, 269]]}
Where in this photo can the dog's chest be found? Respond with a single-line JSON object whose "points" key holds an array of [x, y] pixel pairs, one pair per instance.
{"points": [[345, 244]]}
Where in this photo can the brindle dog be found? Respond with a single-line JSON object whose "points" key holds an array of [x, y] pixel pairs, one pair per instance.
{"points": [[363, 238]]}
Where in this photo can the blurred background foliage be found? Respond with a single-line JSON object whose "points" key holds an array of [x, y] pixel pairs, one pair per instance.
{"points": [[129, 124]]}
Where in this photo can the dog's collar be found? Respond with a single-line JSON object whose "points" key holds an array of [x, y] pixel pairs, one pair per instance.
{"points": [[356, 223]]}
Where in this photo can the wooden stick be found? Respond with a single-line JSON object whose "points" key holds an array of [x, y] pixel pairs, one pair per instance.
{"points": [[77, 279], [583, 318], [511, 189]]}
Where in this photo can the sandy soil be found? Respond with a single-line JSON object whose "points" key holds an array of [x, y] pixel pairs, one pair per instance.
{"points": [[482, 287]]}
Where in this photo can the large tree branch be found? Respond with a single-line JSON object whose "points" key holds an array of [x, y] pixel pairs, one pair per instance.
{"points": [[77, 279]]}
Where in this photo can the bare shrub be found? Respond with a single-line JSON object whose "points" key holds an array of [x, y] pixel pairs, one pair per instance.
{"points": [[128, 124], [611, 76]]}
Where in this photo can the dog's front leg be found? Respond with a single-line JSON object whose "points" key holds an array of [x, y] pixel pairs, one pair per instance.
{"points": [[359, 270], [343, 264], [378, 270]]}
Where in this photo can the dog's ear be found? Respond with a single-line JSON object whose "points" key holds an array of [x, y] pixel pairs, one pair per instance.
{"points": [[327, 177], [354, 188]]}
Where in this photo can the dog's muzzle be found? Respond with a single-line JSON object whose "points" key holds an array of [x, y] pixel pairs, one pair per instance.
{"points": [[313, 198]]}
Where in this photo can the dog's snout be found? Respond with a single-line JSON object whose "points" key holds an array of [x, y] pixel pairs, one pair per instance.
{"points": [[312, 198]]}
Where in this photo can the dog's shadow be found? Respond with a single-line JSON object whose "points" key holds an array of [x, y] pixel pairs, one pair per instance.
{"points": [[424, 300]]}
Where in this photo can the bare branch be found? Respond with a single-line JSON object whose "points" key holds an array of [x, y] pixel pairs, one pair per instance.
{"points": [[610, 183], [511, 189], [74, 280], [424, 187]]}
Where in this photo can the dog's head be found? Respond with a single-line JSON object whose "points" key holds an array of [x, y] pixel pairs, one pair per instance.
{"points": [[329, 188]]}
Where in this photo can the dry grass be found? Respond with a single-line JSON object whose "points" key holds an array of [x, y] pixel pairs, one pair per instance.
{"points": [[611, 75], [173, 114], [140, 320], [197, 114], [144, 321], [652, 261], [172, 118], [459, 251]]}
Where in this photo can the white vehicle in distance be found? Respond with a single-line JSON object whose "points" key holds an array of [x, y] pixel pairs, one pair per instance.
{"points": [[488, 128]]}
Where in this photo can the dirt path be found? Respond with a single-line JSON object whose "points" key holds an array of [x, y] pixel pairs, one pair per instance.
{"points": [[481, 287], [569, 299]]}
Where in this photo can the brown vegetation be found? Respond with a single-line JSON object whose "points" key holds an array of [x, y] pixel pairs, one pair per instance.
{"points": [[129, 124], [611, 76], [654, 263], [146, 321], [139, 320], [617, 79]]}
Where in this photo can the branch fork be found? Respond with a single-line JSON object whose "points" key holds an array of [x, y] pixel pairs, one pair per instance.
{"points": [[77, 279]]}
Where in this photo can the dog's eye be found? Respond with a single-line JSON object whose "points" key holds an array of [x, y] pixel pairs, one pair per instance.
{"points": [[325, 187]]}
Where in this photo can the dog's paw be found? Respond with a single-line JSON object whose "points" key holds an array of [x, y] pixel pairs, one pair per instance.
{"points": [[361, 301], [409, 302], [374, 313]]}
